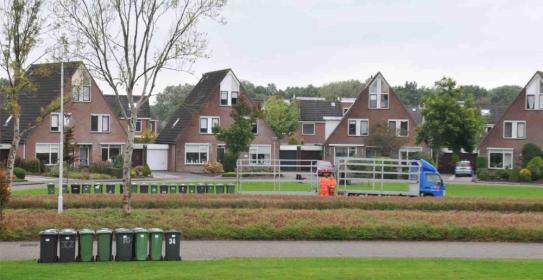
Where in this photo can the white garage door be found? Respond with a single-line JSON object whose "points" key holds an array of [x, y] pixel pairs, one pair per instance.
{"points": [[157, 157]]}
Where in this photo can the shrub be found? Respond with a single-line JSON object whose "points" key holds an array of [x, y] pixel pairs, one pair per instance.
{"points": [[292, 140], [30, 165], [514, 174], [535, 166], [146, 171], [481, 162], [229, 164], [530, 151], [19, 173], [117, 162], [425, 156], [482, 174], [525, 175], [52, 171], [502, 174], [213, 167], [100, 167], [137, 171], [229, 174], [115, 172], [5, 193]]}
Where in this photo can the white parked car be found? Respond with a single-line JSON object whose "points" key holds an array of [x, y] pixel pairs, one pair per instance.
{"points": [[463, 168], [324, 166]]}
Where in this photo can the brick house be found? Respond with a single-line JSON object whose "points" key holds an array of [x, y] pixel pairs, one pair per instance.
{"points": [[518, 125], [377, 103], [189, 131], [98, 133]]}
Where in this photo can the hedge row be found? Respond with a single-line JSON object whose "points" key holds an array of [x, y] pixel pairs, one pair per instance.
{"points": [[280, 202], [285, 224]]}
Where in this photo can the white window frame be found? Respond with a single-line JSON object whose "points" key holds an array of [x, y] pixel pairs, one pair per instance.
{"points": [[310, 123], [50, 148], [502, 151], [67, 119], [140, 121], [358, 125], [209, 123], [229, 97], [78, 93], [101, 123], [514, 129], [349, 149], [108, 150], [378, 94], [535, 90], [260, 149], [200, 151], [398, 128], [257, 126]]}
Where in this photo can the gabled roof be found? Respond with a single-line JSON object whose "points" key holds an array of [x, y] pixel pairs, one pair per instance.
{"points": [[144, 112], [315, 110], [46, 79], [193, 102]]}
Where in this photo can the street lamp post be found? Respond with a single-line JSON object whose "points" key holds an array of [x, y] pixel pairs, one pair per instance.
{"points": [[61, 142]]}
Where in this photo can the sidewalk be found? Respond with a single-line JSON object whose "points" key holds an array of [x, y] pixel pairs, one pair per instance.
{"points": [[213, 249]]}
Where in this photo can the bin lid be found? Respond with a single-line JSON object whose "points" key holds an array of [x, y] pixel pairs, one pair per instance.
{"points": [[219, 185], [67, 231], [140, 230], [86, 231], [156, 230], [173, 231], [123, 230], [50, 231], [173, 185], [104, 231], [154, 185]]}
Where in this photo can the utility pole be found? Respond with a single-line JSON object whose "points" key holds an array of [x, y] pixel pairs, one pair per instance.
{"points": [[61, 142]]}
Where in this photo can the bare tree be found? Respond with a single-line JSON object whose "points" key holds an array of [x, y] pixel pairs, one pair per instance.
{"points": [[128, 43], [21, 26]]}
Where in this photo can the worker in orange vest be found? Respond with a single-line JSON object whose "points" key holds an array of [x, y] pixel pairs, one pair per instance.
{"points": [[324, 184], [331, 185]]}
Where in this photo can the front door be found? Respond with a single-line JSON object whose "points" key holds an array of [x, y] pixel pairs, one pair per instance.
{"points": [[84, 155], [220, 154]]}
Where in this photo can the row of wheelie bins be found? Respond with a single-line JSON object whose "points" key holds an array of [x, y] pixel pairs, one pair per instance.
{"points": [[69, 245], [146, 188]]}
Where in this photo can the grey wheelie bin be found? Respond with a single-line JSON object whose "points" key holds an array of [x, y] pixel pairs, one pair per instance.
{"points": [[76, 188], [48, 246], [67, 244], [124, 244], [173, 245]]}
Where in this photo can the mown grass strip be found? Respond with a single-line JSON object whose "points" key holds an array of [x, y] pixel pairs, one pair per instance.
{"points": [[286, 224]]}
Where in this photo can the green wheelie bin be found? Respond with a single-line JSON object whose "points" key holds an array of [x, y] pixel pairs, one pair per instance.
{"points": [[141, 244], [124, 244], [86, 242], [98, 188], [173, 188], [86, 188], [133, 188], [156, 237], [192, 188], [65, 188], [104, 237], [154, 188], [230, 188], [50, 188], [219, 188]]}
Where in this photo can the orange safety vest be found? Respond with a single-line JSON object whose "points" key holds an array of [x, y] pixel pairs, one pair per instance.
{"points": [[324, 186], [331, 185]]}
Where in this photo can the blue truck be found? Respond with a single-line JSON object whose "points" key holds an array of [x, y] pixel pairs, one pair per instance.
{"points": [[378, 175]]}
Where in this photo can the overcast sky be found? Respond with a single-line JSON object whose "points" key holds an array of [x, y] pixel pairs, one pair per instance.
{"points": [[295, 43]]}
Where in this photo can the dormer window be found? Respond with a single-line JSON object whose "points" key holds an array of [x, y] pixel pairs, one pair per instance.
{"points": [[81, 87], [379, 94], [534, 96], [229, 98]]}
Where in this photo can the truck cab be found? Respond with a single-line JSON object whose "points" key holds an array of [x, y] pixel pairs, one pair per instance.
{"points": [[430, 181]]}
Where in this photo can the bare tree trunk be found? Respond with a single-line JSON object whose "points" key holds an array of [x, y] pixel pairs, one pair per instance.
{"points": [[127, 164], [14, 146]]}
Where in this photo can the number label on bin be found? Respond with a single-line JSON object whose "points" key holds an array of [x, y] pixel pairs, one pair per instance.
{"points": [[126, 239], [47, 239], [171, 241]]}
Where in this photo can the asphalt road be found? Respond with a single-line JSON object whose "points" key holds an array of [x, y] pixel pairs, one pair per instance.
{"points": [[194, 250]]}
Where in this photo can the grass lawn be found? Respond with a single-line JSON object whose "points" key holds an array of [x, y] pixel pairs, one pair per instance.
{"points": [[286, 268], [453, 190]]}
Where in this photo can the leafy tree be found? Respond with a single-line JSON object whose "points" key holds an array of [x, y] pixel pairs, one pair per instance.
{"points": [[254, 91], [20, 31], [449, 123], [167, 101], [309, 90], [282, 117], [479, 93], [530, 151], [119, 42], [385, 140], [238, 136], [410, 93], [504, 95], [333, 90]]}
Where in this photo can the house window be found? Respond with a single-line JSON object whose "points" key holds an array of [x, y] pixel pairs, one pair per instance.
{"points": [[207, 124], [358, 127], [110, 151], [260, 154], [100, 123], [196, 154], [81, 93], [47, 153], [308, 128], [224, 98], [254, 127], [345, 152], [139, 124], [500, 158], [152, 126], [400, 127], [229, 98], [55, 124], [379, 94], [514, 129]]}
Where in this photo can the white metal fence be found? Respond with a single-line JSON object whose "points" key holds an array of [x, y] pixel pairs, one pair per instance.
{"points": [[276, 171]]}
